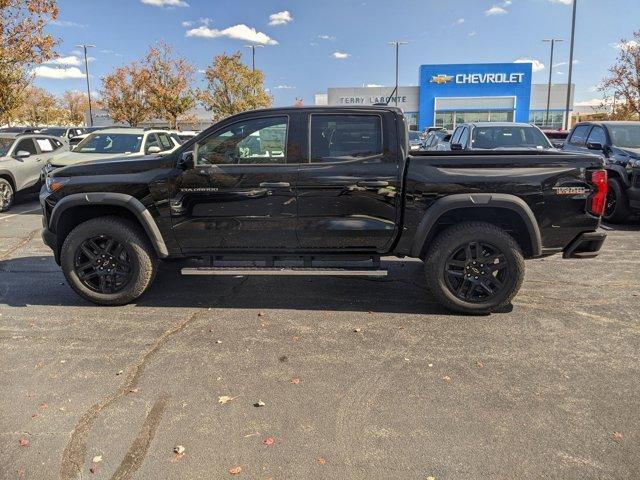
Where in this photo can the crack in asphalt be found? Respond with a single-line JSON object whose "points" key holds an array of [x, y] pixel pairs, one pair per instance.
{"points": [[76, 450], [140, 446], [20, 244]]}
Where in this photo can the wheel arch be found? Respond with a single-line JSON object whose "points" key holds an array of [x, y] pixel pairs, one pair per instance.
{"points": [[77, 208], [7, 175], [503, 210], [618, 172]]}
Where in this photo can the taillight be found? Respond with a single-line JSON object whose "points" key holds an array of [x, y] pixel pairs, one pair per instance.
{"points": [[599, 197]]}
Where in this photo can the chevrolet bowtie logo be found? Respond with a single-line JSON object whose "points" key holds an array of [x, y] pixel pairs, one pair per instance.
{"points": [[440, 79]]}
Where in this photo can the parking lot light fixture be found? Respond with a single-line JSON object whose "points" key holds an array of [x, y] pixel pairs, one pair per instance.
{"points": [[253, 54], [86, 69], [552, 41], [397, 44]]}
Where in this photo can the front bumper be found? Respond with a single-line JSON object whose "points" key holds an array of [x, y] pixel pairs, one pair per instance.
{"points": [[585, 245]]}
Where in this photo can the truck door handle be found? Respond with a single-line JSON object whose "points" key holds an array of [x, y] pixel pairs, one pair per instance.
{"points": [[275, 184], [373, 183]]}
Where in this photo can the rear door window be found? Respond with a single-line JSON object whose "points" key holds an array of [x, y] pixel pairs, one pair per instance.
{"points": [[344, 137], [165, 141], [45, 145], [579, 135], [464, 137]]}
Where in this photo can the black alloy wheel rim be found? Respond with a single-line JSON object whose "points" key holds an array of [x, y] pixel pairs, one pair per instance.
{"points": [[103, 264], [6, 195], [611, 204], [476, 272]]}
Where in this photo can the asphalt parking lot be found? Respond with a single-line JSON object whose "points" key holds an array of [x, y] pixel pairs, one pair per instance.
{"points": [[360, 379]]}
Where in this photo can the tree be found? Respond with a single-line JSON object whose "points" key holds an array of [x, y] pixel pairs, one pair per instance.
{"points": [[169, 92], [622, 86], [40, 108], [232, 87], [124, 94], [23, 43], [75, 105]]}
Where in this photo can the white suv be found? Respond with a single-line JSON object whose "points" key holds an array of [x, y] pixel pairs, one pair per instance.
{"points": [[117, 143]]}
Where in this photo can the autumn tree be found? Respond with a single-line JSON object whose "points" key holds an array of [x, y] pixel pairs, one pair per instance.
{"points": [[40, 108], [622, 86], [169, 92], [124, 94], [232, 87], [75, 104], [23, 43]]}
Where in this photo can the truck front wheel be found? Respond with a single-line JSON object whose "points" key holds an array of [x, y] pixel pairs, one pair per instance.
{"points": [[474, 268], [108, 260]]}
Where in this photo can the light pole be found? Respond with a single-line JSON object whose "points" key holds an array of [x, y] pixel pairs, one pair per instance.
{"points": [[552, 41], [397, 44], [86, 69], [573, 34], [253, 55]]}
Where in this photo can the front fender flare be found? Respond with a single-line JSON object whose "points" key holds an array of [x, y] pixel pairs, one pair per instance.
{"points": [[132, 204], [477, 200]]}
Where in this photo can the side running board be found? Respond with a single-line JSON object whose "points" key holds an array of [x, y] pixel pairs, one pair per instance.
{"points": [[285, 271]]}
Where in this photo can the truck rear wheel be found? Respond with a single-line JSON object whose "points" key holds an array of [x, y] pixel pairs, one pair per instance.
{"points": [[474, 268], [108, 260], [617, 207]]}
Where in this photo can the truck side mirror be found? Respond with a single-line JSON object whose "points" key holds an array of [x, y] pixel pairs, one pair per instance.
{"points": [[186, 161], [456, 146], [595, 146]]}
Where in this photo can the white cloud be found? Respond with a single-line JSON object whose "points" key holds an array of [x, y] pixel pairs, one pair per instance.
{"points": [[71, 61], [283, 87], [327, 37], [630, 45], [562, 2], [280, 18], [507, 3], [340, 55], [165, 3], [594, 102], [495, 10], [57, 73], [459, 21], [537, 65], [373, 85], [202, 21], [66, 23], [561, 64], [472, 34], [187, 24], [237, 32]]}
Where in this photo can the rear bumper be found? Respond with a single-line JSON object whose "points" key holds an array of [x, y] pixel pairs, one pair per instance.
{"points": [[585, 245]]}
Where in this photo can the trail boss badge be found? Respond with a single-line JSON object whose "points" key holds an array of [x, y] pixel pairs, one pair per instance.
{"points": [[571, 190]]}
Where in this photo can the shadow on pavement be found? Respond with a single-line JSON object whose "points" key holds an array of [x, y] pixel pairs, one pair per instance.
{"points": [[38, 281]]}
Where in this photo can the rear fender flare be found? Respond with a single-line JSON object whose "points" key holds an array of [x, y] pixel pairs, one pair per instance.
{"points": [[479, 200], [120, 200], [619, 172]]}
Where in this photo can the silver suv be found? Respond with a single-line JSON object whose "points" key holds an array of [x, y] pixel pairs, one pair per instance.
{"points": [[21, 160]]}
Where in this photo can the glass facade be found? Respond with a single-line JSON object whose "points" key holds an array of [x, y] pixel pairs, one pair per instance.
{"points": [[556, 118], [412, 120], [450, 120]]}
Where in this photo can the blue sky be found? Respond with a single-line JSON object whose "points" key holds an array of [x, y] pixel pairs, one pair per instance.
{"points": [[311, 45]]}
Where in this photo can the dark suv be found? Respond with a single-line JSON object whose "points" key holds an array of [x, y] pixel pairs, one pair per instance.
{"points": [[619, 144]]}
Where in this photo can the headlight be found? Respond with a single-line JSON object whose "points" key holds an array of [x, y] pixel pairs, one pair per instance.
{"points": [[54, 184]]}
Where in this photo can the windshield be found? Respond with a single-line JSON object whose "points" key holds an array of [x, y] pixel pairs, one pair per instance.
{"points": [[625, 136], [509, 137], [5, 145], [110, 143], [414, 136], [56, 132]]}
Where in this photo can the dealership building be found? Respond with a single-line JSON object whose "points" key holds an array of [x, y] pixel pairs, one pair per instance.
{"points": [[448, 95]]}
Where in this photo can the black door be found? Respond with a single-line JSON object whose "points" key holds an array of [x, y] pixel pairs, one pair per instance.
{"points": [[241, 192], [349, 186]]}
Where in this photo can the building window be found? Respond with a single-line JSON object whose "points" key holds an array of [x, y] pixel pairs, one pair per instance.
{"points": [[539, 118], [450, 120]]}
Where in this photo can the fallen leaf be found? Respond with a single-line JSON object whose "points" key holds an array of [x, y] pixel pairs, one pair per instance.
{"points": [[235, 470], [430, 365], [295, 381], [259, 403], [479, 364], [218, 341], [617, 436], [295, 338], [133, 390], [431, 478], [44, 406], [251, 435], [357, 330], [179, 449], [225, 399], [119, 372], [283, 358], [446, 378], [93, 468], [269, 441], [321, 461], [97, 459], [24, 442], [35, 415], [261, 314]]}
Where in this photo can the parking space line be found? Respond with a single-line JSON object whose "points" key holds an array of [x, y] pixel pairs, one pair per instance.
{"points": [[19, 213]]}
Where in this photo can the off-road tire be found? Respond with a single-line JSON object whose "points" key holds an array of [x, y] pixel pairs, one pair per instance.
{"points": [[139, 250], [456, 237], [621, 211], [5, 186]]}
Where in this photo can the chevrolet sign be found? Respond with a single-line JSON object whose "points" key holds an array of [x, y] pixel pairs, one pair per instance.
{"points": [[480, 78], [440, 79]]}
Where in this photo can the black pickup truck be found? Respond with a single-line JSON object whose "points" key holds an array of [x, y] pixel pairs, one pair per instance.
{"points": [[322, 191]]}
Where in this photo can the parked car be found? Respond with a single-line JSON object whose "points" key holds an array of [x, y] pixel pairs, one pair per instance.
{"points": [[437, 140], [22, 157], [619, 144], [66, 133], [498, 136], [556, 137], [428, 130], [245, 187], [116, 143], [415, 140], [18, 130], [183, 136]]}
